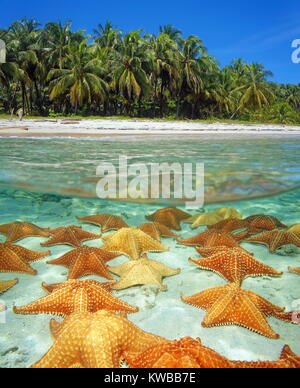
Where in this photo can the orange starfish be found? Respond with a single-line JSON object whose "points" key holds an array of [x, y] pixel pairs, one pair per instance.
{"points": [[85, 261], [275, 239], [229, 225], [230, 305], [235, 265], [208, 252], [190, 353], [214, 238], [16, 231], [69, 235], [95, 340], [295, 270], [6, 285], [170, 217], [261, 222], [156, 230], [132, 242], [76, 296], [14, 258], [106, 221]]}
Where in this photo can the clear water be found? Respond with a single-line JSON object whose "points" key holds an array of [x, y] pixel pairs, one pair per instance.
{"points": [[35, 173], [235, 168]]}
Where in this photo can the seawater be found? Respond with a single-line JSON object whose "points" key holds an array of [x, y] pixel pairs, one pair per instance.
{"points": [[32, 175]]}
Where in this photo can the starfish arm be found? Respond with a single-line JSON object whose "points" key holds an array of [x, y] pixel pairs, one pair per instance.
{"points": [[294, 270], [11, 262], [103, 299], [26, 254], [205, 299], [163, 269], [241, 311], [6, 285], [60, 302]]}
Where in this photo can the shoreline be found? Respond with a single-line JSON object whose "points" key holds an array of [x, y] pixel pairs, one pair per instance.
{"points": [[110, 127]]}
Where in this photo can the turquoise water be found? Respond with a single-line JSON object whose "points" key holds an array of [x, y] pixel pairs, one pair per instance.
{"points": [[235, 168], [33, 173]]}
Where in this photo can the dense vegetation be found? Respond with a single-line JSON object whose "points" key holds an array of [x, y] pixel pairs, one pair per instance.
{"points": [[56, 71]]}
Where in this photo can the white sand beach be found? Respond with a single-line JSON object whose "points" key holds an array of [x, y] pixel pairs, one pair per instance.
{"points": [[113, 127]]}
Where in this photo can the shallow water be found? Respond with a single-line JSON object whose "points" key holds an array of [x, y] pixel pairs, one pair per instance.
{"points": [[235, 167], [24, 339]]}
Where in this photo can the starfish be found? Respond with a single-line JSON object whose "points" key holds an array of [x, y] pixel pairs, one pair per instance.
{"points": [[214, 217], [208, 252], [214, 238], [108, 286], [143, 271], [230, 305], [106, 221], [228, 212], [16, 231], [69, 235], [261, 222], [170, 217], [235, 265], [190, 353], [94, 340], [132, 242], [156, 230], [204, 219], [76, 296], [295, 270], [229, 225], [14, 258], [6, 285], [275, 239], [85, 261]]}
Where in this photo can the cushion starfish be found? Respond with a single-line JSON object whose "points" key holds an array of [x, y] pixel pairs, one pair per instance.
{"points": [[229, 225], [143, 271], [275, 239], [6, 285], [76, 296], [230, 305], [214, 217], [295, 270], [214, 238], [106, 221], [132, 242], [208, 252], [69, 235], [85, 261], [261, 222], [14, 258], [16, 231], [94, 340], [156, 230], [235, 265], [170, 217], [190, 353]]}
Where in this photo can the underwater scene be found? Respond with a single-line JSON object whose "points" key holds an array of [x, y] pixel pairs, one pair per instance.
{"points": [[150, 283]]}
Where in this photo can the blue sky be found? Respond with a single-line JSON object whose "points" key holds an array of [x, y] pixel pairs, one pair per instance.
{"points": [[257, 30]]}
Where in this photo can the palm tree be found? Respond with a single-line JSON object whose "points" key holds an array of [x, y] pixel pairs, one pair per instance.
{"points": [[129, 77], [255, 91], [80, 79], [171, 31]]}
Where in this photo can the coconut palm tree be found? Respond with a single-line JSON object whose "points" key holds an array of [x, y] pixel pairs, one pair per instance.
{"points": [[129, 67], [255, 91], [79, 79]]}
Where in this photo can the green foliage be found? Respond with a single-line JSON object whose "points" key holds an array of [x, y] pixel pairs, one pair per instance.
{"points": [[55, 71]]}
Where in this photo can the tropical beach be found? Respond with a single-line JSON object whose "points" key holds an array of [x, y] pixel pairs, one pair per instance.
{"points": [[149, 188]]}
